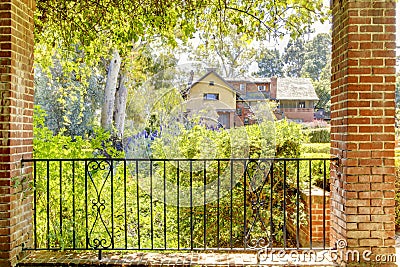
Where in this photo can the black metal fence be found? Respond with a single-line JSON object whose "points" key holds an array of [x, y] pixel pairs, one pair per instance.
{"points": [[173, 204]]}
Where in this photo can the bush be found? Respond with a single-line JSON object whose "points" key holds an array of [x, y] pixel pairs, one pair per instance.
{"points": [[195, 142], [316, 148], [319, 135], [253, 141], [317, 170]]}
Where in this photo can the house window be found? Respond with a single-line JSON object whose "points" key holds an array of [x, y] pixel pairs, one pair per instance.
{"points": [[261, 87], [211, 83], [239, 111], [211, 96], [242, 86], [302, 104]]}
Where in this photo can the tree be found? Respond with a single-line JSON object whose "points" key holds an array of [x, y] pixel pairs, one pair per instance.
{"points": [[110, 90], [100, 25], [120, 105], [230, 54], [317, 66], [271, 64], [317, 55], [70, 103], [294, 57], [322, 87], [98, 29]]}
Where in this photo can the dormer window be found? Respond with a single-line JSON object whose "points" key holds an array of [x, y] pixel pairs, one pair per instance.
{"points": [[210, 96], [211, 83]]}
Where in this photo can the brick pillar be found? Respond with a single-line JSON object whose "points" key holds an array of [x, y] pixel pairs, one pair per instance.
{"points": [[363, 109], [16, 106]]}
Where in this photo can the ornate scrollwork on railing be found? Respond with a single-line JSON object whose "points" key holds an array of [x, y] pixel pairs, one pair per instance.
{"points": [[258, 231], [99, 169]]}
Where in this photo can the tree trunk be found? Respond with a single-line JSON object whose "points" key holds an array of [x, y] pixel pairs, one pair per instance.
{"points": [[107, 111], [120, 106]]}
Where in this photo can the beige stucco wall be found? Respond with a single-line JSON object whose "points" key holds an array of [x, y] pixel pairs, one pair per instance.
{"points": [[227, 98]]}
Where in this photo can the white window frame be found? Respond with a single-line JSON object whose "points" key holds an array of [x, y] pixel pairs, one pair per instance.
{"points": [[262, 88], [206, 96]]}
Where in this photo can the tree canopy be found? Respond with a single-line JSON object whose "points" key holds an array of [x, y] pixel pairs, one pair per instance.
{"points": [[85, 36], [270, 64], [98, 24]]}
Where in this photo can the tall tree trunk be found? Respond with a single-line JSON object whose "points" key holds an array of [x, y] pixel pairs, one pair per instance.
{"points": [[107, 111], [120, 106]]}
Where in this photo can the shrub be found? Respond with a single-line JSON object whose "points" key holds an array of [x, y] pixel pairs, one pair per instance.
{"points": [[319, 135], [46, 145], [316, 148], [254, 141], [317, 170]]}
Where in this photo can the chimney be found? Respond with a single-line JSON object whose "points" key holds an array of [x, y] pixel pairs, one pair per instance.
{"points": [[274, 86], [211, 69]]}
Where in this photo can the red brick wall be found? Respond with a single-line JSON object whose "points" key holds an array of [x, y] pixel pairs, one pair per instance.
{"points": [[302, 114], [250, 87], [362, 132], [317, 218], [16, 104]]}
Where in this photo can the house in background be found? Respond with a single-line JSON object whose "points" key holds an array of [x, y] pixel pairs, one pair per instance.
{"points": [[213, 99], [234, 99], [250, 92], [296, 98]]}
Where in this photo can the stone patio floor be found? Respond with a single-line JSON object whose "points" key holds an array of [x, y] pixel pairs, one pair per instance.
{"points": [[48, 258], [153, 259]]}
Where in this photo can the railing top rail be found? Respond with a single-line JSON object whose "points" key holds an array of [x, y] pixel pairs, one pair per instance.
{"points": [[181, 159]]}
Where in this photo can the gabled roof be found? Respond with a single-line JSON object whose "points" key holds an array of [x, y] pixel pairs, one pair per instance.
{"points": [[295, 89], [228, 85], [249, 80]]}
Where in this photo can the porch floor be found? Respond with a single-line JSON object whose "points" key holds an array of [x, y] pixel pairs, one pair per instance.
{"points": [[46, 258], [114, 259]]}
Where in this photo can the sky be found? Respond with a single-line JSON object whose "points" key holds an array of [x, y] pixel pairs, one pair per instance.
{"points": [[320, 28]]}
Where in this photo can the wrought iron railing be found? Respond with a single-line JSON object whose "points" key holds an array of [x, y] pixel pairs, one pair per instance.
{"points": [[179, 204]]}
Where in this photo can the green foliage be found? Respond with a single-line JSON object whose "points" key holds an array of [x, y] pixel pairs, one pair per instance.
{"points": [[143, 186], [319, 135], [317, 66], [69, 177], [294, 57], [316, 57], [270, 64], [254, 141], [70, 101], [289, 137], [49, 146], [317, 170], [231, 54], [323, 89], [98, 26], [315, 148]]}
